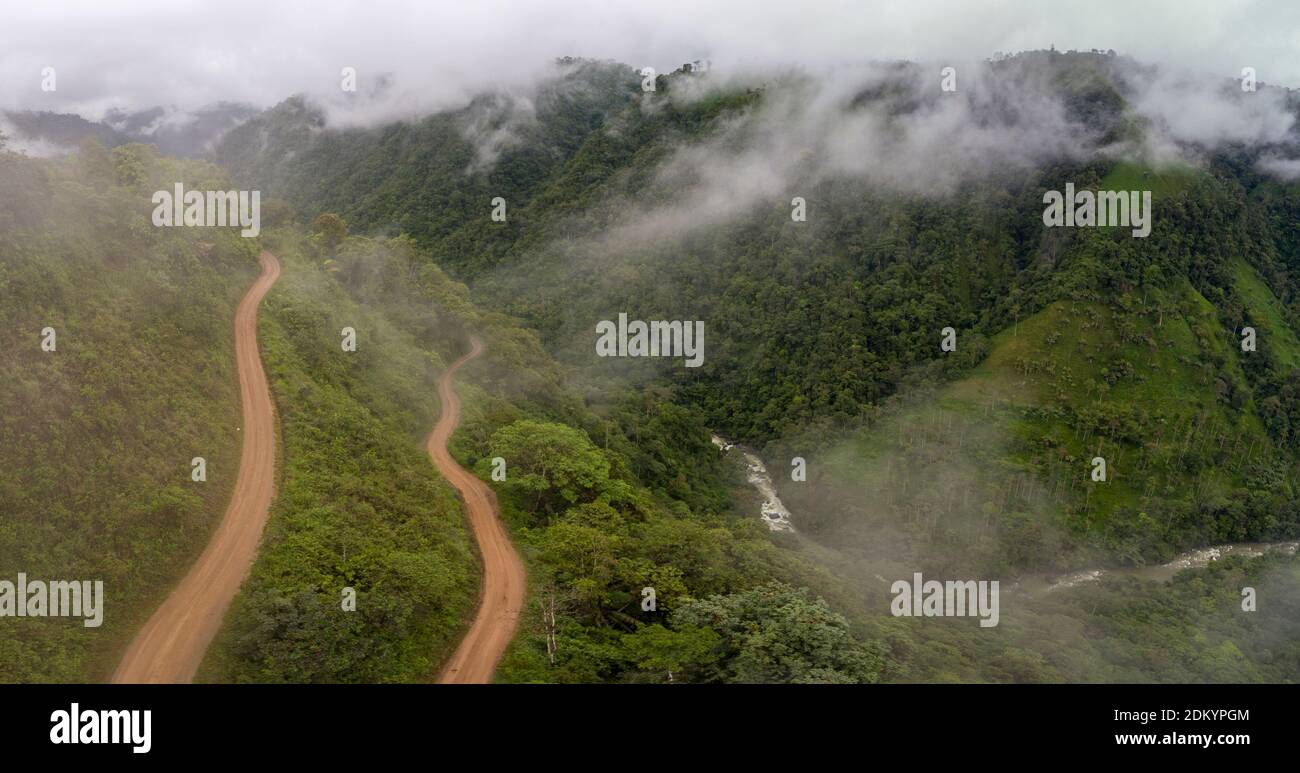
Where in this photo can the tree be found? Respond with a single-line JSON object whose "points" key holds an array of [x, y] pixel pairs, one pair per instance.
{"points": [[776, 634], [277, 212], [95, 162], [332, 229], [129, 169], [656, 648], [551, 466]]}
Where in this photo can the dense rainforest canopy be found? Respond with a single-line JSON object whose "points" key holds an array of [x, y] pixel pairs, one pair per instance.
{"points": [[922, 211]]}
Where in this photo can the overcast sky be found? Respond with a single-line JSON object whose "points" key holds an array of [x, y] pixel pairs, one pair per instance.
{"points": [[141, 53]]}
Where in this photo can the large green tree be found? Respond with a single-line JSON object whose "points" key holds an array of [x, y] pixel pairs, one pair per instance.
{"points": [[777, 633], [550, 466]]}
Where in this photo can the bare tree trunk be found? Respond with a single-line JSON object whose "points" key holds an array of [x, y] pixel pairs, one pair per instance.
{"points": [[547, 603]]}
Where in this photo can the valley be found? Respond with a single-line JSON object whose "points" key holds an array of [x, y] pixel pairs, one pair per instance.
{"points": [[1103, 421]]}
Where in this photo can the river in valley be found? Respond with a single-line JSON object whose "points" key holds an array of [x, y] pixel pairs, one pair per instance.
{"points": [[773, 510], [1192, 559], [777, 517]]}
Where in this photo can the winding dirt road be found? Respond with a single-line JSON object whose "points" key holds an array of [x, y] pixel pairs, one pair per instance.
{"points": [[171, 645], [475, 660]]}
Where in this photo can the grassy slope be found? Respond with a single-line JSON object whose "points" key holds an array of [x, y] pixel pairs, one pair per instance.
{"points": [[964, 482], [1134, 176], [998, 463], [1272, 330]]}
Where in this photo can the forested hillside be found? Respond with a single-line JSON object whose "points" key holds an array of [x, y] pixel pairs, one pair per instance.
{"points": [[97, 436], [817, 322], [432, 176], [826, 229], [142, 318], [360, 507], [923, 211]]}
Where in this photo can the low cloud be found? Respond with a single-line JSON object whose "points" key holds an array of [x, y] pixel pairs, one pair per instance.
{"points": [[892, 127], [136, 54], [1286, 169]]}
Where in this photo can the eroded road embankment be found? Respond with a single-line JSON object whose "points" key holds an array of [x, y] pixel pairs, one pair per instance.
{"points": [[475, 660], [171, 645]]}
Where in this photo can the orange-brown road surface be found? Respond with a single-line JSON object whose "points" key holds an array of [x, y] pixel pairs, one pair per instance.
{"points": [[476, 658], [170, 646]]}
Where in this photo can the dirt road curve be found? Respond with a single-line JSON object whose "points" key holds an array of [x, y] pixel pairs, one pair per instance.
{"points": [[475, 660], [170, 646]]}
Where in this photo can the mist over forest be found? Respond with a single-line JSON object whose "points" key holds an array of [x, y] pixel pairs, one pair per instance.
{"points": [[898, 353]]}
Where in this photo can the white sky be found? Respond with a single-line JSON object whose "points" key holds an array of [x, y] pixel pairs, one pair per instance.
{"points": [[140, 53]]}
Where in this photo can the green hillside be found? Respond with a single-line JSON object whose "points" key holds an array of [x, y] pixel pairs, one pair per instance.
{"points": [[360, 506], [1188, 462], [823, 343], [96, 437]]}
